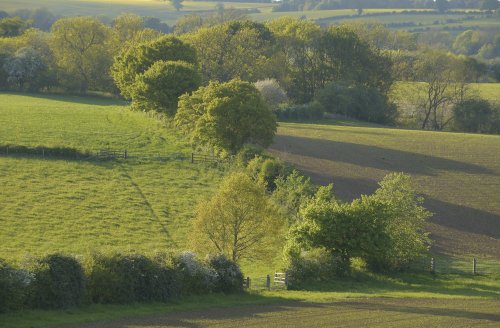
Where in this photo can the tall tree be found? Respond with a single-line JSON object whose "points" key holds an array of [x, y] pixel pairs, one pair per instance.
{"points": [[81, 51], [239, 221], [226, 116], [237, 49], [131, 62], [441, 5]]}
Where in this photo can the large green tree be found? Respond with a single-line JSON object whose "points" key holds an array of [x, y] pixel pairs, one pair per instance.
{"points": [[226, 116], [132, 62], [160, 86], [239, 221], [237, 49], [81, 51]]}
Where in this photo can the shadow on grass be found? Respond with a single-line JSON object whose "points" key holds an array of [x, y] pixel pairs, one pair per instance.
{"points": [[372, 156], [443, 284], [44, 152], [91, 99]]}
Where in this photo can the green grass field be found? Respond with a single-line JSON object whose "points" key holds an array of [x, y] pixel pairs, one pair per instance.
{"points": [[457, 173], [69, 205]]}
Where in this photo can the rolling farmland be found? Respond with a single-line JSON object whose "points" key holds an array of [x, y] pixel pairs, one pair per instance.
{"points": [[458, 174]]}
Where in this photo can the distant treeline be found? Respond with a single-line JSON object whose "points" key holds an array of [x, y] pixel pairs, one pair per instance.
{"points": [[298, 5]]}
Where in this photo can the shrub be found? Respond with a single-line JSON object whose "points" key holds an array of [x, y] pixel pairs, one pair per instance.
{"points": [[229, 278], [13, 287], [58, 282], [272, 92], [121, 278], [195, 276]]}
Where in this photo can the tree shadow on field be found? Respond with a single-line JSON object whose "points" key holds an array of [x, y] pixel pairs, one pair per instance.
{"points": [[303, 314], [464, 218], [423, 310], [91, 99], [372, 156]]}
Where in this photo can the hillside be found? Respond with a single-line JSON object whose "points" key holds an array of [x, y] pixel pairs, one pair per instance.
{"points": [[77, 205], [458, 174]]}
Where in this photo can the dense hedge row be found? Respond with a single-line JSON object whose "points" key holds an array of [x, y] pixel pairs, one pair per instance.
{"points": [[61, 281]]}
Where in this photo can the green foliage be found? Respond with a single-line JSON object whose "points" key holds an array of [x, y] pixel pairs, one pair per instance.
{"points": [[291, 192], [58, 282], [468, 42], [476, 115], [385, 229], [160, 86], [122, 278], [239, 221], [81, 51], [13, 287], [405, 225], [132, 62], [226, 116], [11, 26], [309, 111], [364, 103], [247, 153], [236, 49], [229, 277], [267, 171]]}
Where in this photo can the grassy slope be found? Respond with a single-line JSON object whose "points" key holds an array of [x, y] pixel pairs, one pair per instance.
{"points": [[458, 174], [75, 206]]}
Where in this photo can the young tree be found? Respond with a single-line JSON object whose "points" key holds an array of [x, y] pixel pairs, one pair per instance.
{"points": [[404, 226], [474, 115], [80, 49], [226, 116], [177, 4], [238, 221]]}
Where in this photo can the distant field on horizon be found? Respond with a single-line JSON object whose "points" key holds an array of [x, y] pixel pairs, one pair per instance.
{"points": [[164, 11], [457, 173]]}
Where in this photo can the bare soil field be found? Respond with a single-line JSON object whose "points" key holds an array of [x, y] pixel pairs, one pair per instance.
{"points": [[351, 313], [458, 174]]}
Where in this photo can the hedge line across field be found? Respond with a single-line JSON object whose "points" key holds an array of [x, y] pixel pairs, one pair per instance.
{"points": [[61, 281]]}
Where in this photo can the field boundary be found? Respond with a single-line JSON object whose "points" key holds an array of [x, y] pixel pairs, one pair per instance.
{"points": [[107, 154]]}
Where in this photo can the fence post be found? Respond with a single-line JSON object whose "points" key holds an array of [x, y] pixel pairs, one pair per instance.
{"points": [[474, 266], [268, 282], [286, 278], [433, 265], [125, 155], [248, 282], [192, 158]]}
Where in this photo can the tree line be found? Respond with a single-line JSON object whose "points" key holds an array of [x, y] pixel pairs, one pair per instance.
{"points": [[346, 70]]}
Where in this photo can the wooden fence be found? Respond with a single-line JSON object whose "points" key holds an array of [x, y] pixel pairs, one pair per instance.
{"points": [[105, 154]]}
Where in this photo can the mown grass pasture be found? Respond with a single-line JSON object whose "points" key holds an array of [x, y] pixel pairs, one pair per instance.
{"points": [[64, 204], [457, 173]]}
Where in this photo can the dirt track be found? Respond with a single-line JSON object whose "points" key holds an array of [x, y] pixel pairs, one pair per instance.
{"points": [[352, 313]]}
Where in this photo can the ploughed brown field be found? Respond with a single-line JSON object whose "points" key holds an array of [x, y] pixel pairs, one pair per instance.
{"points": [[458, 174]]}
